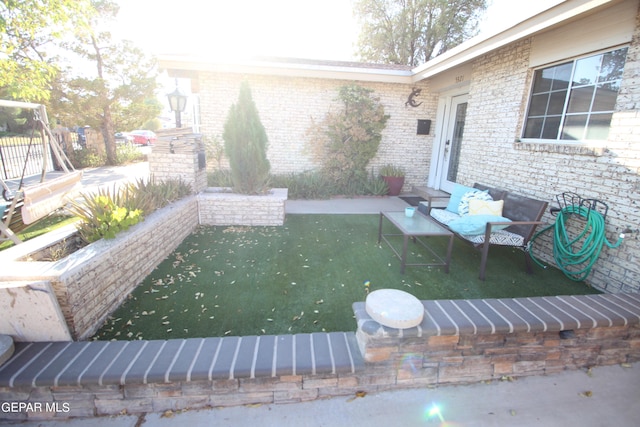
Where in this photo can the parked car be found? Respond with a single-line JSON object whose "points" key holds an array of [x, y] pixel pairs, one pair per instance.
{"points": [[144, 137], [123, 138], [82, 137]]}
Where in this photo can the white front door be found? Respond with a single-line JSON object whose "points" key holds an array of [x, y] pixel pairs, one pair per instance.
{"points": [[451, 141]]}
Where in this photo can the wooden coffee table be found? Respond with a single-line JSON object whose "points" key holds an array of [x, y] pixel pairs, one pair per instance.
{"points": [[419, 225]]}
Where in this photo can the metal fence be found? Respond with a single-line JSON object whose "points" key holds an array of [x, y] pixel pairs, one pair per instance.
{"points": [[23, 156]]}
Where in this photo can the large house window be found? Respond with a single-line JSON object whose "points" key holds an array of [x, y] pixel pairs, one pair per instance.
{"points": [[574, 101]]}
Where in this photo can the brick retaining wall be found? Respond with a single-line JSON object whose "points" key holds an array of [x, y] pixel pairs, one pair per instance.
{"points": [[475, 340], [92, 282], [459, 341]]}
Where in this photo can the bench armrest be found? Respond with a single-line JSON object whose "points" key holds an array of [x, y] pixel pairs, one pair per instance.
{"points": [[431, 198]]}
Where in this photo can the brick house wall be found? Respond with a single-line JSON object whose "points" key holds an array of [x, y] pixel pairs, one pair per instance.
{"points": [[288, 106], [491, 154]]}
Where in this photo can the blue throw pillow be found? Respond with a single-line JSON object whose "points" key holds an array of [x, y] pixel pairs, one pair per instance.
{"points": [[459, 190], [472, 225]]}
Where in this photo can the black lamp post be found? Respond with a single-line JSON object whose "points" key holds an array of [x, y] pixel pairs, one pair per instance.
{"points": [[177, 103]]}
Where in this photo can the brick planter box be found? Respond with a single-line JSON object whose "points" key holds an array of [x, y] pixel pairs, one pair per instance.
{"points": [[218, 206], [92, 282]]}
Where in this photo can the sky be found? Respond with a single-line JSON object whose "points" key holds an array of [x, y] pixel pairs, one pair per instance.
{"points": [[313, 29]]}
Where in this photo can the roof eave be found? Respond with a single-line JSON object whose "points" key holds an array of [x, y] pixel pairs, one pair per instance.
{"points": [[483, 44], [177, 62]]}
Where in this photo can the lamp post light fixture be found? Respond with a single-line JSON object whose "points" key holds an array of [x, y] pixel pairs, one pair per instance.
{"points": [[177, 103]]}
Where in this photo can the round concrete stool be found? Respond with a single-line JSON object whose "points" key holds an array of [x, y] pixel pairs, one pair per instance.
{"points": [[394, 308], [6, 348]]}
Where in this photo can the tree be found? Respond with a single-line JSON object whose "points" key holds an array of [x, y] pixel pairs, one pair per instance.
{"points": [[119, 92], [411, 32], [245, 143], [28, 28]]}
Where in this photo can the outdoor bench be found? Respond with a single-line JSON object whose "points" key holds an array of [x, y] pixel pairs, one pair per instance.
{"points": [[514, 226]]}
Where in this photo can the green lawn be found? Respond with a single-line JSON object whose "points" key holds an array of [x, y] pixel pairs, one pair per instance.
{"points": [[303, 277], [41, 227]]}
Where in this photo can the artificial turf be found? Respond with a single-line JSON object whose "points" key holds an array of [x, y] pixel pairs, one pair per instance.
{"points": [[303, 277]]}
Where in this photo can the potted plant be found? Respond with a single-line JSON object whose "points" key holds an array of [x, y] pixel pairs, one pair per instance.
{"points": [[394, 177]]}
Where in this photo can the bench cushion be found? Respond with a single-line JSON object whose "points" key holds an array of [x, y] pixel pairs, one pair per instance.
{"points": [[500, 237], [443, 216], [459, 190], [463, 207], [476, 224]]}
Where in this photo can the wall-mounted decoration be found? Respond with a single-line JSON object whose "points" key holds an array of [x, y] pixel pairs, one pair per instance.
{"points": [[424, 126], [411, 101]]}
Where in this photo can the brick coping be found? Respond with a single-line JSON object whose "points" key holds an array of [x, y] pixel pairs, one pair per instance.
{"points": [[179, 360], [183, 360], [511, 315]]}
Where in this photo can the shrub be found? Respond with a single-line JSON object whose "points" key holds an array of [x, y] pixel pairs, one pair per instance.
{"points": [[219, 178], [86, 158], [101, 217], [317, 185], [345, 141], [110, 211], [127, 153], [245, 143], [391, 170]]}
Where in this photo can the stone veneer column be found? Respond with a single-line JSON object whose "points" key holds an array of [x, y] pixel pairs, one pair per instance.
{"points": [[182, 157]]}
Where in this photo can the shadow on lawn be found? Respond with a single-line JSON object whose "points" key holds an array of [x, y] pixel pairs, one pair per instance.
{"points": [[304, 277]]}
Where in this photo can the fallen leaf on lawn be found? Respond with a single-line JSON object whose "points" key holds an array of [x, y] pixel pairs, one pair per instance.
{"points": [[320, 301], [228, 332]]}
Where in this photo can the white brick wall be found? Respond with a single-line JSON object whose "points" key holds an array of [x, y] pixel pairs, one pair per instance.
{"points": [[288, 106], [491, 155], [223, 208]]}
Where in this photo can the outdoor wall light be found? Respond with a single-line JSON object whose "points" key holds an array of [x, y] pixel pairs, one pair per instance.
{"points": [[177, 103]]}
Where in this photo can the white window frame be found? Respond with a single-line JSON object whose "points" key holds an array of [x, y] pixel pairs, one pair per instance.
{"points": [[558, 140]]}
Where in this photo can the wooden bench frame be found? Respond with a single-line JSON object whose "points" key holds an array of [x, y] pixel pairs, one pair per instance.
{"points": [[525, 214]]}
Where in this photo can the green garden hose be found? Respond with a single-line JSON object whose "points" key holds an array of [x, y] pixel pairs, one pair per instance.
{"points": [[576, 257]]}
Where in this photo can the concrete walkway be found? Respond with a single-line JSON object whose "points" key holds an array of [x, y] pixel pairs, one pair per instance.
{"points": [[604, 396]]}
